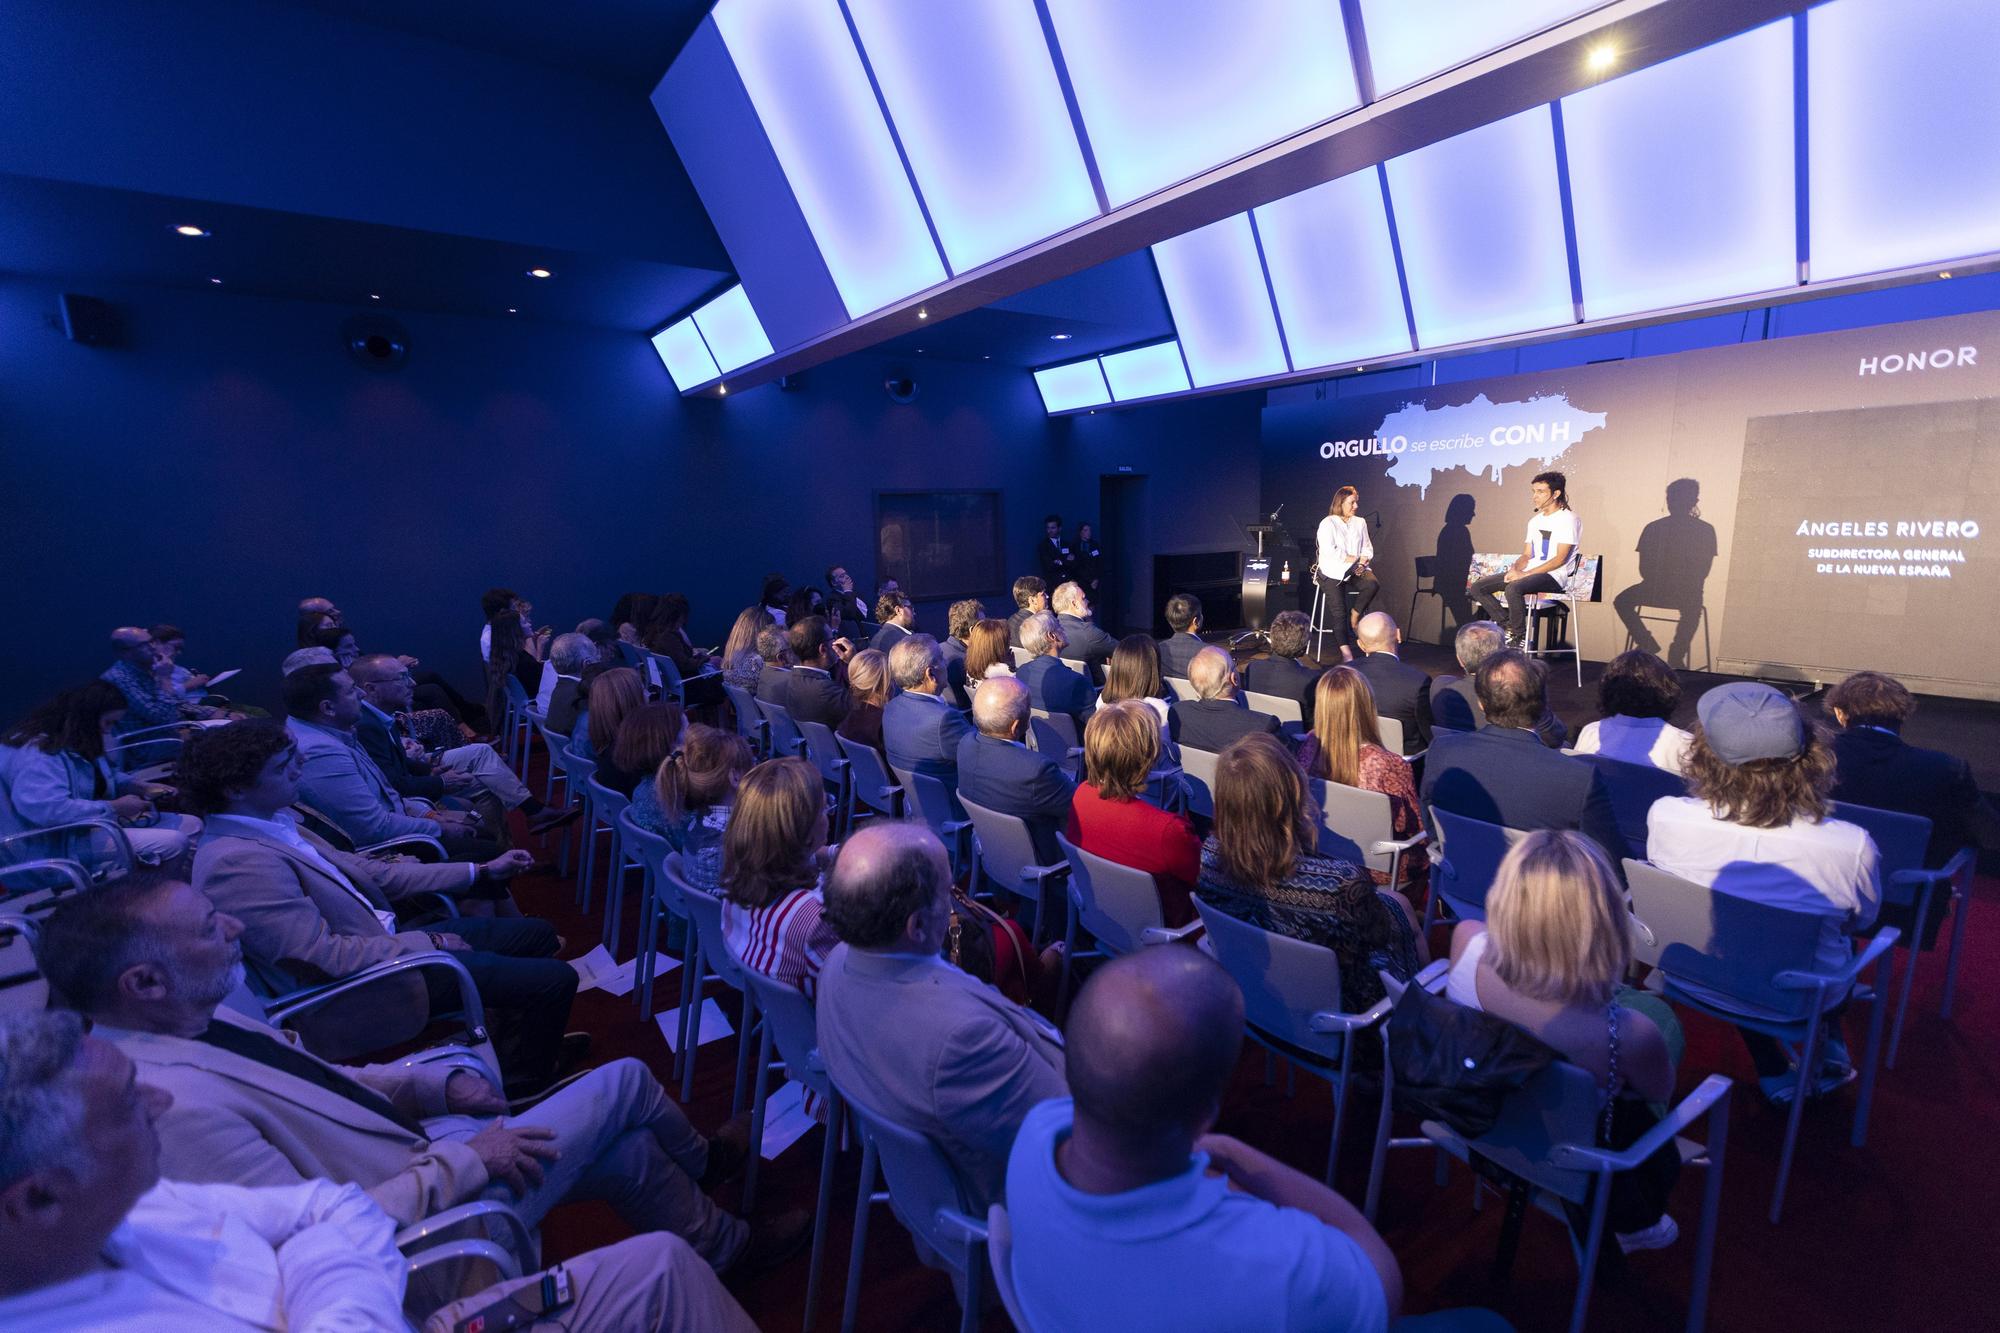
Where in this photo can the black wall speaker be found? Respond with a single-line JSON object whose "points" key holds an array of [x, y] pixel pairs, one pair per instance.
{"points": [[89, 321], [376, 342]]}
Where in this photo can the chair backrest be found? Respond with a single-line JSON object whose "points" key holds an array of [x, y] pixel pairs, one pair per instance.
{"points": [[642, 844], [794, 1029], [606, 803], [785, 737], [872, 784], [1000, 1253], [1285, 710], [928, 797], [1053, 734], [1006, 847], [517, 693], [922, 1182], [1392, 733], [1472, 850], [705, 910], [1113, 902], [1021, 656], [1901, 839], [1076, 664], [1633, 788], [1720, 941], [823, 748], [1182, 687], [1198, 766], [575, 765], [671, 686], [744, 705], [1284, 981], [1351, 821], [1426, 567]]}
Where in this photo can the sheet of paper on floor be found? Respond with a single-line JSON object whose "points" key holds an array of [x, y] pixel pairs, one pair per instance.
{"points": [[714, 1025]]}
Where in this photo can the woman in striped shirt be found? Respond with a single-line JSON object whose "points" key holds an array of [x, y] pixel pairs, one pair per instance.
{"points": [[774, 855]]}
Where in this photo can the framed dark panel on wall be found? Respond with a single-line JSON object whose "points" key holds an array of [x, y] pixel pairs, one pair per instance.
{"points": [[939, 544]]}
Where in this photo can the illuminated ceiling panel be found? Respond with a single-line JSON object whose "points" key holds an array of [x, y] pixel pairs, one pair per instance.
{"points": [[1145, 371], [1170, 88], [1903, 135], [1681, 178], [1066, 388], [1480, 221], [1222, 310], [1333, 271], [975, 100], [685, 355], [730, 328], [1410, 40], [799, 64]]}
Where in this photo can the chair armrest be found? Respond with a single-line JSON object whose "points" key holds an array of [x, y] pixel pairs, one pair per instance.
{"points": [[954, 827], [960, 1227], [1884, 940], [1328, 1020], [109, 827], [299, 1002], [1432, 975], [69, 870], [1412, 758], [458, 1251], [1043, 874], [422, 846], [1169, 934], [1711, 1096], [520, 1243], [1417, 839]]}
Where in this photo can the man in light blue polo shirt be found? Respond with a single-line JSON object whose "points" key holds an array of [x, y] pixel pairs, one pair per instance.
{"points": [[1117, 1219]]}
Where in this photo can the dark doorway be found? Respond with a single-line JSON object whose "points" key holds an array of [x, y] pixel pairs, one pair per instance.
{"points": [[1127, 539]]}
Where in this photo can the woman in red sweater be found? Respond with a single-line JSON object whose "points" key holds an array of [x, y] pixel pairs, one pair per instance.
{"points": [[1107, 818]]}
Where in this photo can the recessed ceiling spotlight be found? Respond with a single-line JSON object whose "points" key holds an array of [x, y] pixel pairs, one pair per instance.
{"points": [[721, 390], [189, 229], [1601, 58], [216, 281], [1059, 337], [373, 297], [986, 356], [541, 273], [923, 313], [512, 311], [1945, 274]]}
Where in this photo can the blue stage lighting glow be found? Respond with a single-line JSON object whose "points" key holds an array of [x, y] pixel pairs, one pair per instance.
{"points": [[798, 62], [1222, 311], [1904, 116], [975, 100], [1410, 40], [1170, 88], [1334, 273], [1479, 216], [1145, 371], [1681, 177], [732, 331], [684, 355], [1078, 384]]}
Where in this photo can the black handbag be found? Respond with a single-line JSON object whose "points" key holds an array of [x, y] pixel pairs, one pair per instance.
{"points": [[1455, 1064]]}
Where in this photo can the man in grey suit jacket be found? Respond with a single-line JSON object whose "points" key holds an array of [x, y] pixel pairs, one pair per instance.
{"points": [[1216, 715], [1184, 619], [911, 1037], [149, 962], [1087, 643], [920, 728]]}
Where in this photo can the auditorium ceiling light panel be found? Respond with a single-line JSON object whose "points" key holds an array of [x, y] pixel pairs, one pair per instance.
{"points": [[1169, 88], [731, 329], [1903, 123], [1682, 179], [1221, 307], [799, 65], [1077, 385], [972, 92], [1480, 220], [685, 355], [1410, 40], [1145, 372], [1333, 272]]}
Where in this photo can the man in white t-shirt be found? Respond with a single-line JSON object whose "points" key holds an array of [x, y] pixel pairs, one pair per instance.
{"points": [[1548, 558]]}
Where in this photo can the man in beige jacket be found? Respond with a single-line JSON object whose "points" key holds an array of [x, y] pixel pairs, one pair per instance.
{"points": [[149, 962]]}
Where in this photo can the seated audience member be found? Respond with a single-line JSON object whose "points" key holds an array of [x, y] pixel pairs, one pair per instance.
{"points": [[345, 785], [1217, 714], [512, 653], [920, 728], [148, 701], [987, 652], [103, 1242], [1052, 686], [464, 770], [840, 585], [1503, 774], [1184, 619], [1402, 692], [1875, 766], [1551, 956], [614, 695], [1087, 643], [311, 625], [898, 618], [665, 634], [1755, 825], [645, 738], [1134, 673], [1128, 1211], [149, 962], [568, 655], [997, 771], [1031, 597], [603, 636], [1636, 695], [1455, 703], [908, 1035], [804, 601], [305, 657], [776, 650], [312, 913], [322, 606], [1263, 865], [958, 623], [340, 641], [1282, 675], [741, 662], [774, 855], [689, 801], [1345, 746], [868, 690], [812, 691], [776, 592], [54, 771], [1109, 816], [184, 684]]}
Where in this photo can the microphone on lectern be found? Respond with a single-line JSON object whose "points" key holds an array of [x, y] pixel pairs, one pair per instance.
{"points": [[1274, 514]]}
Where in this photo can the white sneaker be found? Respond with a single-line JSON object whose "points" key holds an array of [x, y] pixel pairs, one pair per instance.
{"points": [[1655, 1237]]}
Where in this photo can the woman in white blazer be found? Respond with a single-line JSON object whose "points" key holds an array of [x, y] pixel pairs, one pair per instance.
{"points": [[1344, 563]]}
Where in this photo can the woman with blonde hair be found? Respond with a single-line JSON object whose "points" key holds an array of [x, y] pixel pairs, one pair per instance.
{"points": [[1551, 957], [613, 694], [1345, 746], [867, 690], [741, 663], [987, 652], [774, 855], [1262, 864], [1109, 816]]}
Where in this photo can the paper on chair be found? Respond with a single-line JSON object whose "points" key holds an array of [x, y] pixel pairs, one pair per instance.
{"points": [[714, 1025]]}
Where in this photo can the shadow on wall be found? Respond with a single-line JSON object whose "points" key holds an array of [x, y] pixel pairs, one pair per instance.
{"points": [[1675, 556], [1452, 567]]}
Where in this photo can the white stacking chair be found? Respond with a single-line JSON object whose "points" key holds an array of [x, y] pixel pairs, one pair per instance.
{"points": [[1198, 768], [712, 961], [1006, 850], [1359, 826], [1544, 607], [933, 803], [750, 723], [1000, 1254], [1181, 687], [606, 805], [785, 737], [823, 749], [1468, 856], [1118, 905], [1285, 710]]}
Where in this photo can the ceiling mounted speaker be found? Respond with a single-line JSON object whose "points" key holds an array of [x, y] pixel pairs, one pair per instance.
{"points": [[376, 342], [902, 389]]}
